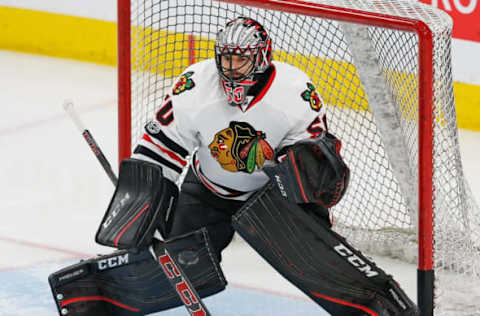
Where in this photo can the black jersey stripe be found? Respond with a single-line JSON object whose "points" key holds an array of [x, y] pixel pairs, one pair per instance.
{"points": [[151, 154], [172, 145]]}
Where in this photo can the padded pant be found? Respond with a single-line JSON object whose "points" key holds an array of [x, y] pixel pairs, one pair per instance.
{"points": [[198, 207]]}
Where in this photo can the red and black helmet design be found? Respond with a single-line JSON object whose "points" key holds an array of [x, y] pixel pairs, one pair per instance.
{"points": [[248, 38]]}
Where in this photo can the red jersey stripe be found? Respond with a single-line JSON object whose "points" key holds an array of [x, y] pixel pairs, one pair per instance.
{"points": [[171, 154]]}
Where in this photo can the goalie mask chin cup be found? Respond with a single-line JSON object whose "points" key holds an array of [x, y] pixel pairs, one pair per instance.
{"points": [[236, 91]]}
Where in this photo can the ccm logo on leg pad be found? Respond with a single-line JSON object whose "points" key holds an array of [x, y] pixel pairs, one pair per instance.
{"points": [[355, 261], [112, 262]]}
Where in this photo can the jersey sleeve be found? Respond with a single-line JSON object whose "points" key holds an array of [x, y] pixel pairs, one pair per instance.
{"points": [[168, 140], [308, 116]]}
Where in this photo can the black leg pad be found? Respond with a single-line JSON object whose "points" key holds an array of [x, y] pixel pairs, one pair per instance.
{"points": [[308, 253], [127, 283]]}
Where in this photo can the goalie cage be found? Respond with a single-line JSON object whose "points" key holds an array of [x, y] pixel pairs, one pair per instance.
{"points": [[383, 68]]}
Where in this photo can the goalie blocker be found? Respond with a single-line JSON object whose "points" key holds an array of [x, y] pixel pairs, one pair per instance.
{"points": [[305, 250], [127, 283], [142, 203]]}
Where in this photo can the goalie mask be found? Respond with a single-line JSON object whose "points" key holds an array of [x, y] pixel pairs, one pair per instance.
{"points": [[243, 49]]}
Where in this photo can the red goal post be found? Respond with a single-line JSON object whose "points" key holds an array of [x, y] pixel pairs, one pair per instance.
{"points": [[428, 93]]}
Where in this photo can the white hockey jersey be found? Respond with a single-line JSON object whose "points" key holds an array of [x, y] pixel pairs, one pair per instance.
{"points": [[234, 143]]}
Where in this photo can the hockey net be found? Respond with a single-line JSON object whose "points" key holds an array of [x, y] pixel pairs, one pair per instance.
{"points": [[372, 79]]}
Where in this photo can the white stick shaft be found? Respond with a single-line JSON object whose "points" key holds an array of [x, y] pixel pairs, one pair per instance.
{"points": [[69, 108]]}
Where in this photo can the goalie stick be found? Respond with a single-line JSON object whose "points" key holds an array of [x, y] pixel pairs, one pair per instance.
{"points": [[177, 278]]}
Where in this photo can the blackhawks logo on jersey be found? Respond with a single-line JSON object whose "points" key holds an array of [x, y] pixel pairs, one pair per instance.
{"points": [[240, 148], [311, 96], [184, 83]]}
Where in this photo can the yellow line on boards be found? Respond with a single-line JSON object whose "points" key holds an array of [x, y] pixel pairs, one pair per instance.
{"points": [[467, 101], [58, 35]]}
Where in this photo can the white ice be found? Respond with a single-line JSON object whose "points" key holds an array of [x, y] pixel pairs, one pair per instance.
{"points": [[54, 193]]}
